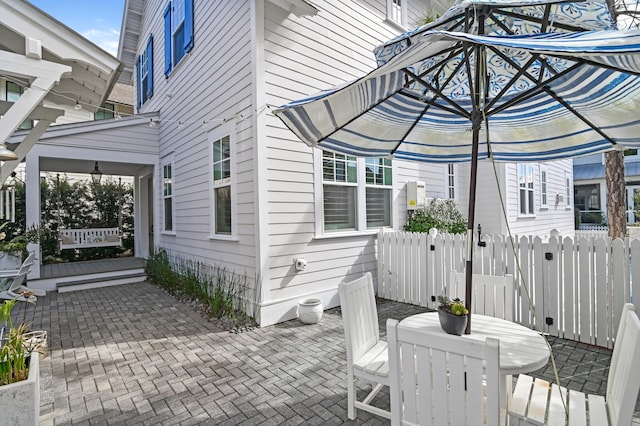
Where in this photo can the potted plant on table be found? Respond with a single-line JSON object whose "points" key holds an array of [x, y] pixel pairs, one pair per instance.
{"points": [[453, 315], [19, 370]]}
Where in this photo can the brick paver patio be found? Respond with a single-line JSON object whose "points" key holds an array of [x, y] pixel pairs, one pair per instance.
{"points": [[133, 354]]}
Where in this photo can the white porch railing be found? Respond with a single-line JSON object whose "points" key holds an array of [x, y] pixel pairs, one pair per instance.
{"points": [[577, 287]]}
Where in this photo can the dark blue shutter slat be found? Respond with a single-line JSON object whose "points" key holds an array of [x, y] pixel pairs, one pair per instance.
{"points": [[150, 67], [188, 25], [167, 39], [138, 84]]}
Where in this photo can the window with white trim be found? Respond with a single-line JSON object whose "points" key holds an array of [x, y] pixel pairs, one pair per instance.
{"points": [[567, 187], [451, 181], [525, 189], [378, 191], [178, 32], [543, 187], [356, 192], [223, 198], [397, 11], [167, 197]]}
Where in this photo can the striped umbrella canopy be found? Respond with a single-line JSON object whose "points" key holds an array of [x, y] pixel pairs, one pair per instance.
{"points": [[513, 80]]}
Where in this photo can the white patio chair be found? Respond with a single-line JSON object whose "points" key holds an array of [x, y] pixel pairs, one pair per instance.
{"points": [[492, 295], [439, 379], [367, 357], [14, 279], [537, 402]]}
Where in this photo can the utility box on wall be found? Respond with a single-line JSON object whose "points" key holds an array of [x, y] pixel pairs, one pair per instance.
{"points": [[416, 195]]}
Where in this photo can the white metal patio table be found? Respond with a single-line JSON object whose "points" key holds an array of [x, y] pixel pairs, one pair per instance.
{"points": [[522, 350]]}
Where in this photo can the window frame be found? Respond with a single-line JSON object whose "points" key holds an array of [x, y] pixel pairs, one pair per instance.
{"points": [[395, 11], [529, 188], [144, 74], [172, 28], [451, 181], [215, 135], [361, 185], [544, 187], [568, 189], [27, 124], [168, 162]]}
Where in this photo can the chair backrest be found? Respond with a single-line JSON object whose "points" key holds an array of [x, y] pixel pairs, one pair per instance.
{"points": [[359, 316], [623, 382], [21, 276], [439, 379], [492, 295]]}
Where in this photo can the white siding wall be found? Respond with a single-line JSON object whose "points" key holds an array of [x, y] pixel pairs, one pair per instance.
{"points": [[303, 56], [558, 215], [211, 83]]}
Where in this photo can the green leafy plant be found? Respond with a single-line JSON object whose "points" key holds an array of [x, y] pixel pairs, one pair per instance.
{"points": [[15, 349], [441, 214], [455, 306]]}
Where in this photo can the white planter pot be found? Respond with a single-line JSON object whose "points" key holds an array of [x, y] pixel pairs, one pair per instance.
{"points": [[20, 401], [310, 310]]}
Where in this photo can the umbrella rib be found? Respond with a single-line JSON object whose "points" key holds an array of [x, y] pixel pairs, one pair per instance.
{"points": [[577, 114], [538, 88], [457, 109], [415, 123], [533, 19], [458, 112]]}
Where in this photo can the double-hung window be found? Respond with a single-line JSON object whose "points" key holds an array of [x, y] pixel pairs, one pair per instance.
{"points": [[144, 74], [167, 196], [222, 182], [451, 181], [397, 11], [525, 189], [544, 192], [378, 191], [356, 193], [178, 32], [568, 187]]}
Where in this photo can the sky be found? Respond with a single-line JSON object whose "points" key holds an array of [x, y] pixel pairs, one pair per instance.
{"points": [[98, 21]]}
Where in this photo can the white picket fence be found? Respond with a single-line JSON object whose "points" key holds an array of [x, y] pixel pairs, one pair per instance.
{"points": [[577, 288]]}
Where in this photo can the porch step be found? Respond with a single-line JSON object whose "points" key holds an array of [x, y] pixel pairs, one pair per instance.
{"points": [[134, 276]]}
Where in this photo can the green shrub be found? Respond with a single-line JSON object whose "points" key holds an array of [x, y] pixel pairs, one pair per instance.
{"points": [[443, 215]]}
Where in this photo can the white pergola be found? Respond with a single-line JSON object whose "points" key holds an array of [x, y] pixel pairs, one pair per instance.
{"points": [[56, 66]]}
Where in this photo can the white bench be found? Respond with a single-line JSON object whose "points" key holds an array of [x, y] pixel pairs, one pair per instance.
{"points": [[89, 238]]}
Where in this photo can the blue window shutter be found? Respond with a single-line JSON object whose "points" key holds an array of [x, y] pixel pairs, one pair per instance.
{"points": [[188, 25], [167, 39], [150, 67], [138, 84]]}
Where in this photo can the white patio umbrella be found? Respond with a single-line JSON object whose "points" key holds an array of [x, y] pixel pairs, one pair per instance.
{"points": [[514, 80]]}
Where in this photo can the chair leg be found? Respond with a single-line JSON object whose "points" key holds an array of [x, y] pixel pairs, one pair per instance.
{"points": [[351, 396]]}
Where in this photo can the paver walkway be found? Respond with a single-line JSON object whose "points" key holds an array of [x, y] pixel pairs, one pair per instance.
{"points": [[133, 354]]}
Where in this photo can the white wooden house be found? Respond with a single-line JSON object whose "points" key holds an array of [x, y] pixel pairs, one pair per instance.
{"points": [[219, 179], [234, 187]]}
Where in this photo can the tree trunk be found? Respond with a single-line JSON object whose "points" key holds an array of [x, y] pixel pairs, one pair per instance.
{"points": [[616, 206]]}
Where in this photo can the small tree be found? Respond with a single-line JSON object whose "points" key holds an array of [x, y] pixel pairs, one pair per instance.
{"points": [[443, 215]]}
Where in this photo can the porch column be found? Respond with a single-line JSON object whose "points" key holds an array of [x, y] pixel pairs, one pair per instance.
{"points": [[33, 214]]}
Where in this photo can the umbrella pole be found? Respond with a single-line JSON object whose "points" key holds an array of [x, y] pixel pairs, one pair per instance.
{"points": [[471, 221]]}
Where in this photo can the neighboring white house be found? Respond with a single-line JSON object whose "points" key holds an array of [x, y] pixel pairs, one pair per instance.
{"points": [[591, 189], [219, 179]]}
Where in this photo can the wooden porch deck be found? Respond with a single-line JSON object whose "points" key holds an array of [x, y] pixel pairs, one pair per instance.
{"points": [[89, 267]]}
